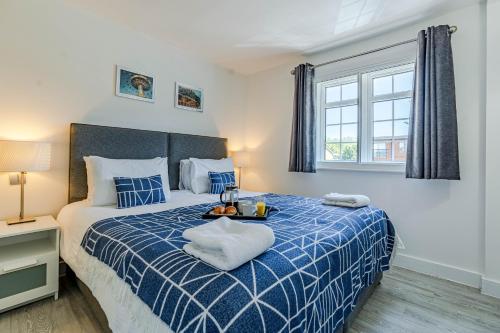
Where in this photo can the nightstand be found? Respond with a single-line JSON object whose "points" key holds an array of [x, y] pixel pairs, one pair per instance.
{"points": [[29, 262]]}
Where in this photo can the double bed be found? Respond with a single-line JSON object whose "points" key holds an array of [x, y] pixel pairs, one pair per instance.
{"points": [[315, 278]]}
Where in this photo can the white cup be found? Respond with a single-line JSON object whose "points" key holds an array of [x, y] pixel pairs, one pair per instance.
{"points": [[247, 207]]}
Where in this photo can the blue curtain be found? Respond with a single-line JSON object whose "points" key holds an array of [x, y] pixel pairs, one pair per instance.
{"points": [[302, 147], [433, 133]]}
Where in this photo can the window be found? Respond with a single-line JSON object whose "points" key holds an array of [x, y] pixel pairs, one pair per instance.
{"points": [[364, 117], [341, 120]]}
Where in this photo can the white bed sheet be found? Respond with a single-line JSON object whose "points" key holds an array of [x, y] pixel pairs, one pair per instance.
{"points": [[124, 310]]}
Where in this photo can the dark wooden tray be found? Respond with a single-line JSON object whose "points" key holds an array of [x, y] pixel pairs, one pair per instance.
{"points": [[238, 216]]}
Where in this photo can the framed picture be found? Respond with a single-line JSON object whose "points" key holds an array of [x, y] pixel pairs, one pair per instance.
{"points": [[188, 98], [135, 85]]}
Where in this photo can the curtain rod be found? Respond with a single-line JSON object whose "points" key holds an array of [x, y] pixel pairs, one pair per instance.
{"points": [[453, 29]]}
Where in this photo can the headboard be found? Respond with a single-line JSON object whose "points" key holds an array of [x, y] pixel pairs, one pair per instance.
{"points": [[127, 143]]}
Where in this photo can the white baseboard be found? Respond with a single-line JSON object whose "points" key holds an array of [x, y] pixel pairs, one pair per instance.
{"points": [[443, 271], [490, 287]]}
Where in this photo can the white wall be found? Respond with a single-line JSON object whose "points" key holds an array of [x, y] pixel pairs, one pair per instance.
{"points": [[439, 221], [491, 281], [58, 66]]}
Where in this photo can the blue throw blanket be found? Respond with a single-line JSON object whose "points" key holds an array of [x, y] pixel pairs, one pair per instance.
{"points": [[309, 281]]}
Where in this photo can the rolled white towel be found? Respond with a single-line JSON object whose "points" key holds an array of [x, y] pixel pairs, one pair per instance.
{"points": [[346, 200], [228, 244]]}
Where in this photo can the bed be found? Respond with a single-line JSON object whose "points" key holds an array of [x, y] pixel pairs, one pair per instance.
{"points": [[325, 262]]}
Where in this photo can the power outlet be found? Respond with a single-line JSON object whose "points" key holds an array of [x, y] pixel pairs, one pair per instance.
{"points": [[14, 179]]}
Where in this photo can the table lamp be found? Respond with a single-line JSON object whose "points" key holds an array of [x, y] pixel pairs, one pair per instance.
{"points": [[23, 157], [241, 159]]}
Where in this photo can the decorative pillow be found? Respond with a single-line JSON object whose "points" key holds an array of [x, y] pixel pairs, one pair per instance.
{"points": [[101, 171], [185, 175], [199, 172], [132, 192], [219, 181]]}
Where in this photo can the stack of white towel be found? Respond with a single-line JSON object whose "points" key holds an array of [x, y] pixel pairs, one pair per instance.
{"points": [[228, 244], [346, 200]]}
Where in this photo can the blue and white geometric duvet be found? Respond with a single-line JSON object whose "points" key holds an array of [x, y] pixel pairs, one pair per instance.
{"points": [[309, 281]]}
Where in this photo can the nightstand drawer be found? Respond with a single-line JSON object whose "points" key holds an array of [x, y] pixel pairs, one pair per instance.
{"points": [[23, 280]]}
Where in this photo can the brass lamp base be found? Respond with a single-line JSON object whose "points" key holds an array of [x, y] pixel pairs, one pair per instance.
{"points": [[21, 218], [17, 220]]}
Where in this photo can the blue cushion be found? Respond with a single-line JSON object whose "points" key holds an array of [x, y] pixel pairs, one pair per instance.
{"points": [[219, 180], [132, 192]]}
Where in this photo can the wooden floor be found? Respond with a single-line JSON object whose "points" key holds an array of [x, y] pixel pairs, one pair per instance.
{"points": [[414, 303], [404, 302]]}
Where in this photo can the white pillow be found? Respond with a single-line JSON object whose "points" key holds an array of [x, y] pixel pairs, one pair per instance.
{"points": [[185, 175], [100, 173], [199, 172]]}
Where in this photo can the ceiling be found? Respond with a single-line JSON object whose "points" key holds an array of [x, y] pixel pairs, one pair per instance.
{"points": [[248, 36]]}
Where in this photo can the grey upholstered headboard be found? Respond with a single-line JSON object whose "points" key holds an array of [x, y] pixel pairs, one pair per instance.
{"points": [[126, 143]]}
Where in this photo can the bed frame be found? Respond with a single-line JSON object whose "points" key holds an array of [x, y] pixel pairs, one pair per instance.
{"points": [[126, 143]]}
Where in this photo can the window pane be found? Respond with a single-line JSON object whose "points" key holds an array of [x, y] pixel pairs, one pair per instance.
{"points": [[333, 116], [401, 127], [349, 151], [403, 82], [349, 91], [332, 151], [382, 150], [333, 94], [402, 108], [350, 133], [350, 114], [333, 133], [382, 86], [382, 129], [400, 150], [382, 110]]}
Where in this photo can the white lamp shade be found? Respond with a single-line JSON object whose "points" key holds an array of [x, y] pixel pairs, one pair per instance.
{"points": [[18, 156], [241, 158]]}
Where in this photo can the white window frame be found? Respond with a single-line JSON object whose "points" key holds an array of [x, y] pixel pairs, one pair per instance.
{"points": [[342, 103], [365, 78], [368, 100]]}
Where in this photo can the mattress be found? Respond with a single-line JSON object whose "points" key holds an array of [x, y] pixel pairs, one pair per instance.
{"points": [[310, 280], [124, 310]]}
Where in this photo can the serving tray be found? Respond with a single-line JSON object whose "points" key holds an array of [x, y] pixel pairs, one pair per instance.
{"points": [[237, 216]]}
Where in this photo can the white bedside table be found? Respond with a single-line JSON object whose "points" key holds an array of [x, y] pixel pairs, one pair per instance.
{"points": [[29, 262]]}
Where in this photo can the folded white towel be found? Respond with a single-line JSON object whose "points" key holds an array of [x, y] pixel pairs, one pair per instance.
{"points": [[228, 244], [346, 200]]}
